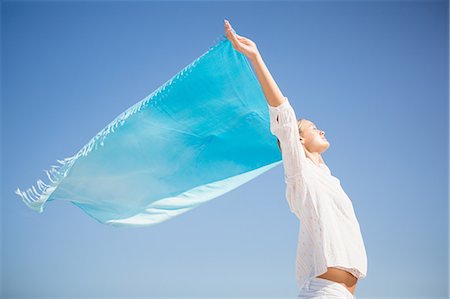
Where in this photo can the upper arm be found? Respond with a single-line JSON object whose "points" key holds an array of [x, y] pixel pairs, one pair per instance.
{"points": [[282, 101], [283, 124]]}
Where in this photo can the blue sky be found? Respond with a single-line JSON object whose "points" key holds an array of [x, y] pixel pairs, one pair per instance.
{"points": [[373, 75]]}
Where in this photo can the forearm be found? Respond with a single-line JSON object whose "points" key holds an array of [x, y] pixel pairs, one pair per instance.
{"points": [[273, 94]]}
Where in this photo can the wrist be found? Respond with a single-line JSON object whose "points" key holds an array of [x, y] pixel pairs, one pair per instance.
{"points": [[256, 57]]}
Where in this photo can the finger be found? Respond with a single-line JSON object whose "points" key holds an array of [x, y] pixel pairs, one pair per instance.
{"points": [[228, 33], [232, 37], [231, 33], [239, 37], [228, 26]]}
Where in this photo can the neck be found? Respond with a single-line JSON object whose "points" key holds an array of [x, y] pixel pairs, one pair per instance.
{"points": [[315, 157]]}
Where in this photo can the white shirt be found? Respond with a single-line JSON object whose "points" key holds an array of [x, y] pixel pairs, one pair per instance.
{"points": [[329, 234]]}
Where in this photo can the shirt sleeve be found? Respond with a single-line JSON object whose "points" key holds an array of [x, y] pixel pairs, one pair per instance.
{"points": [[283, 124]]}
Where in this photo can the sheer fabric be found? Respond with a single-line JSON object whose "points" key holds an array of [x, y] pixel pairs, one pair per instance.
{"points": [[203, 133], [329, 234]]}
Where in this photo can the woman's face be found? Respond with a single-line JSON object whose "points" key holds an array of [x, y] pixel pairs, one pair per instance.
{"points": [[313, 138]]}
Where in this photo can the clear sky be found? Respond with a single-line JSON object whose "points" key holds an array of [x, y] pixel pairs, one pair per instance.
{"points": [[373, 75]]}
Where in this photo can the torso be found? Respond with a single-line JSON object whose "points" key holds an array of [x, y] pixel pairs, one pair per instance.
{"points": [[341, 276]]}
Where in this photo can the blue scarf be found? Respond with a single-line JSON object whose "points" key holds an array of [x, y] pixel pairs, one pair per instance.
{"points": [[203, 133]]}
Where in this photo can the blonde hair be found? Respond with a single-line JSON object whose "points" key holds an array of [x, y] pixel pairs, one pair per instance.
{"points": [[300, 122]]}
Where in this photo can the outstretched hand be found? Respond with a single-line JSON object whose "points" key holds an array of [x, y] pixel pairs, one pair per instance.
{"points": [[240, 43]]}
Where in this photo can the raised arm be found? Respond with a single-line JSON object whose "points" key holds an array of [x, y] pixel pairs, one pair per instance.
{"points": [[273, 95], [283, 121]]}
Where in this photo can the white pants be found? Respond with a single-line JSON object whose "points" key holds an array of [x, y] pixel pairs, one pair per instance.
{"points": [[320, 288]]}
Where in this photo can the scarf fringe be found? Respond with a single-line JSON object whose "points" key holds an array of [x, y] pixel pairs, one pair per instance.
{"points": [[35, 199]]}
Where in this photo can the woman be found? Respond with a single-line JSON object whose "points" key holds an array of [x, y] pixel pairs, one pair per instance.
{"points": [[331, 255]]}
